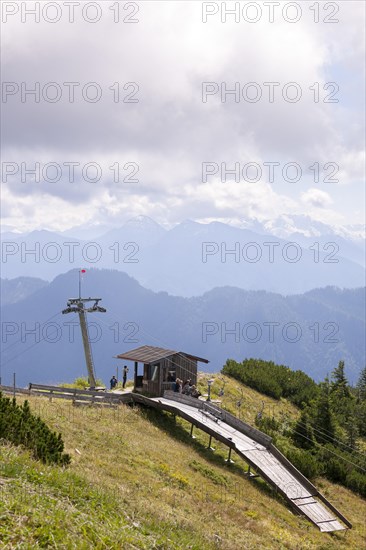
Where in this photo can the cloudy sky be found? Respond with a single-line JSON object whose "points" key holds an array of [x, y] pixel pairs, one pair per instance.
{"points": [[131, 113]]}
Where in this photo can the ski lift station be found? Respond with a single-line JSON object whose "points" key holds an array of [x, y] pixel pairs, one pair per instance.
{"points": [[156, 368]]}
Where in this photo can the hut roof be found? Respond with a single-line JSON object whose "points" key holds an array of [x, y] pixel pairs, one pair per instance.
{"points": [[150, 354]]}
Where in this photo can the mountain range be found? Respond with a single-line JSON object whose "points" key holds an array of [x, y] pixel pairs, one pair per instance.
{"points": [[310, 331], [290, 255]]}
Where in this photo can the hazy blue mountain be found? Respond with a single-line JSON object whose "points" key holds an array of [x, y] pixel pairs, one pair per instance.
{"points": [[305, 231], [86, 232], [11, 235], [288, 224], [15, 290], [142, 230], [311, 332], [193, 258]]}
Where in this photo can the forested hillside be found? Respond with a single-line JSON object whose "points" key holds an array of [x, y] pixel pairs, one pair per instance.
{"points": [[329, 436]]}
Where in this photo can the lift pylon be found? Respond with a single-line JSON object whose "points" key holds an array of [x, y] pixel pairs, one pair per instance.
{"points": [[78, 305]]}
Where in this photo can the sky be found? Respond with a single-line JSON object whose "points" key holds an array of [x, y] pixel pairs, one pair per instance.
{"points": [[178, 110]]}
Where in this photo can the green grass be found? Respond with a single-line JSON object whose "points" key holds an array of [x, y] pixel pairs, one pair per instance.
{"points": [[137, 480], [252, 401]]}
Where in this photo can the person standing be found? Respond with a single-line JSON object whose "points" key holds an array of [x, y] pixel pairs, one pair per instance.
{"points": [[178, 386], [113, 382], [124, 378]]}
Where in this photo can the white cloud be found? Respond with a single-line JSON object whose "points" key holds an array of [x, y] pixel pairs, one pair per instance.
{"points": [[316, 198], [170, 132]]}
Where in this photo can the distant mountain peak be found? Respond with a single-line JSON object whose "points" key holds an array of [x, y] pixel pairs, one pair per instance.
{"points": [[142, 222], [300, 224]]}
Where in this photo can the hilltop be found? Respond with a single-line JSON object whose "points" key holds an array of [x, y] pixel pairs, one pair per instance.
{"points": [[137, 480]]}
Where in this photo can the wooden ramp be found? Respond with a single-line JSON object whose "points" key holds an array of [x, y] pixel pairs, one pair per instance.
{"points": [[257, 450]]}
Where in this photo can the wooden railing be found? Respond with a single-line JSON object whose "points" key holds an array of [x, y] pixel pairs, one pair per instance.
{"points": [[77, 395], [181, 398], [223, 415], [11, 389]]}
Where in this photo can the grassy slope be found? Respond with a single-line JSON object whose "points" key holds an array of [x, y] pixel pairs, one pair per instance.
{"points": [[252, 401], [137, 480]]}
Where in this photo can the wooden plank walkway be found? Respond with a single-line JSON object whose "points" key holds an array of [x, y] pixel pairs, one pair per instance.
{"points": [[261, 455]]}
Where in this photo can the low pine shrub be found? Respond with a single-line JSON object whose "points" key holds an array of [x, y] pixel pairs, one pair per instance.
{"points": [[19, 426]]}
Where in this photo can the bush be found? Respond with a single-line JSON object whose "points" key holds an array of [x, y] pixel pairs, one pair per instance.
{"points": [[274, 380], [82, 383], [305, 462], [346, 468], [336, 470], [268, 425], [19, 426], [356, 482]]}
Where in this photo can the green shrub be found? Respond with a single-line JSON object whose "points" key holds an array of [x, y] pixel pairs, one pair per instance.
{"points": [[305, 462], [274, 380], [268, 425], [19, 426], [356, 482]]}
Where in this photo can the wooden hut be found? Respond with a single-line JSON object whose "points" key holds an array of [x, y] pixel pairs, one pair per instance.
{"points": [[160, 368]]}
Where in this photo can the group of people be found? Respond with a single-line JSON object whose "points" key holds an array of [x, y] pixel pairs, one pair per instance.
{"points": [[186, 388], [178, 386], [113, 381]]}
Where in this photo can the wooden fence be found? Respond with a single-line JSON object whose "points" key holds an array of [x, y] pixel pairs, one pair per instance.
{"points": [[78, 396]]}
